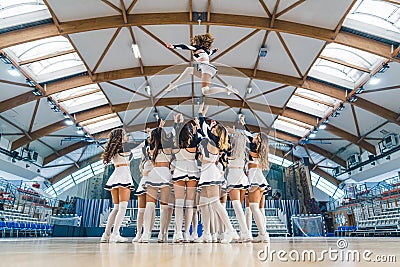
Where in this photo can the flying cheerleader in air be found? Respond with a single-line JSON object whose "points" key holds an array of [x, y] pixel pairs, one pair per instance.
{"points": [[201, 47]]}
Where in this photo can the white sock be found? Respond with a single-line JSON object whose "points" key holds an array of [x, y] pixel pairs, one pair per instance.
{"points": [[237, 206], [221, 226], [186, 73], [249, 219], [149, 217], [258, 218], [263, 215], [152, 218], [163, 218], [139, 220], [205, 214], [169, 218], [195, 221], [111, 219], [213, 223], [179, 214], [188, 215], [120, 217], [222, 213]]}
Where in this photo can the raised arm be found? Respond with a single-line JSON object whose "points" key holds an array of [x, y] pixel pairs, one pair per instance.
{"points": [[247, 131]]}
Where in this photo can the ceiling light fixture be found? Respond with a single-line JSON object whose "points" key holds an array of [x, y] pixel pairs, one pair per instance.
{"points": [[249, 90], [14, 72], [148, 90], [136, 51], [374, 80], [69, 122]]}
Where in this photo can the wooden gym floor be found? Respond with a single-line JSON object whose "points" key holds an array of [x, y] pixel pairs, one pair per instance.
{"points": [[76, 252]]}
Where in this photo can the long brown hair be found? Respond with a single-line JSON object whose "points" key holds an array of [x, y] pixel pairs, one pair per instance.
{"points": [[263, 150], [113, 146], [204, 40], [222, 134], [155, 141], [184, 135]]}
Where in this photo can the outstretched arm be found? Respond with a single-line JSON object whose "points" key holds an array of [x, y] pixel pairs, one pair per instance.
{"points": [[213, 51], [180, 46]]}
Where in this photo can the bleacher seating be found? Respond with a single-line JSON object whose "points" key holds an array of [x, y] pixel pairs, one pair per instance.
{"points": [[16, 224], [386, 222]]}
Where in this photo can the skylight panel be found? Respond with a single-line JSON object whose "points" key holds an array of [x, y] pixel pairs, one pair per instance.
{"points": [[18, 12]]}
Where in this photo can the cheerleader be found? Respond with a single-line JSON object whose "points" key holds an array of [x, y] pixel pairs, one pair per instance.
{"points": [[145, 167], [159, 178], [237, 181], [201, 47], [120, 184], [211, 179], [186, 175], [258, 161]]}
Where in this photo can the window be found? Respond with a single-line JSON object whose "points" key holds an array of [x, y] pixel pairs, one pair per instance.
{"points": [[279, 161], [56, 67], [326, 186], [291, 126], [85, 102], [76, 178], [375, 17], [102, 124], [40, 48], [18, 12], [336, 73], [312, 102], [352, 56]]}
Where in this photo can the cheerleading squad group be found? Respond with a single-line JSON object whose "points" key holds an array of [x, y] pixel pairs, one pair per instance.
{"points": [[190, 171]]}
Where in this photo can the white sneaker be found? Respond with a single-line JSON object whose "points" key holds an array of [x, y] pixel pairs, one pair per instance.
{"points": [[162, 238], [194, 237], [187, 237], [214, 238], [245, 237], [105, 238], [177, 237], [145, 238], [204, 238], [232, 90], [171, 87], [116, 238], [229, 237], [137, 238], [262, 238]]}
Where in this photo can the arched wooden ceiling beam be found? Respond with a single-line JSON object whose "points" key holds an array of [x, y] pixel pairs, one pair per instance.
{"points": [[17, 101], [312, 85], [64, 151], [179, 18]]}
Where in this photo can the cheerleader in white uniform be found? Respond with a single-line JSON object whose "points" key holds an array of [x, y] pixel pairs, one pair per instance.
{"points": [[120, 184], [211, 179], [237, 181], [146, 166], [159, 178], [201, 47], [186, 175], [258, 161]]}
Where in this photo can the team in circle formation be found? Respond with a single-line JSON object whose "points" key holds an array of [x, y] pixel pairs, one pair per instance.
{"points": [[191, 170]]}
